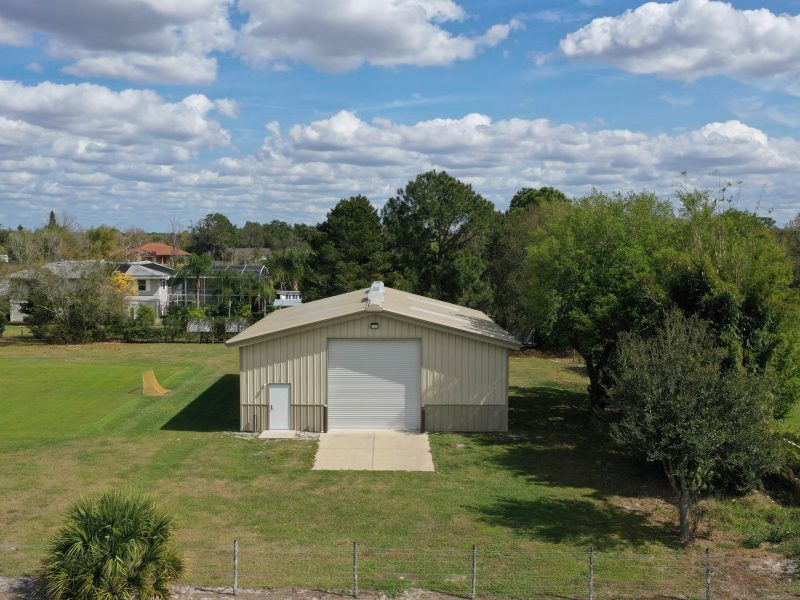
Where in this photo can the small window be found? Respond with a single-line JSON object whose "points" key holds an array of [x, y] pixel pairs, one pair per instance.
{"points": [[163, 284], [142, 284]]}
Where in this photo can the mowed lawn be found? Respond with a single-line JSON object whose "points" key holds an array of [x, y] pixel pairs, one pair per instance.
{"points": [[793, 419], [73, 421]]}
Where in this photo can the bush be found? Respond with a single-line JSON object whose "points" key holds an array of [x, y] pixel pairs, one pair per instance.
{"points": [[73, 311], [774, 530], [116, 545], [145, 316], [173, 326]]}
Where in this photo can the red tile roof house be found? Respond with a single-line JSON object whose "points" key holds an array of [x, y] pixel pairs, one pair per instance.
{"points": [[163, 254]]}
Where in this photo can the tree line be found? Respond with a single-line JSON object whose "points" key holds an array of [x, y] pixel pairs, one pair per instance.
{"points": [[686, 315]]}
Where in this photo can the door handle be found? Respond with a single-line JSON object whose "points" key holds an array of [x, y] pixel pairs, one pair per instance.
{"points": [[271, 407]]}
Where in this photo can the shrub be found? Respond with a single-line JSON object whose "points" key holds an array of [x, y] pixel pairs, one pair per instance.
{"points": [[116, 546], [173, 326], [73, 311], [146, 316]]}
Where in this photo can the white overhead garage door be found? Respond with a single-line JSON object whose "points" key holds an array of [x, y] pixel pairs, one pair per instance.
{"points": [[373, 384]]}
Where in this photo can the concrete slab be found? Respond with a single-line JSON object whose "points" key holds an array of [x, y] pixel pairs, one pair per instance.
{"points": [[346, 438], [374, 450]]}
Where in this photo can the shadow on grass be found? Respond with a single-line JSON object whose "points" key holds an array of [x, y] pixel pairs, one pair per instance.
{"points": [[578, 523], [553, 442], [578, 368], [215, 409]]}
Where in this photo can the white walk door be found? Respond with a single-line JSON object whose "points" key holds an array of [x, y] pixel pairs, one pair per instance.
{"points": [[374, 384], [279, 400]]}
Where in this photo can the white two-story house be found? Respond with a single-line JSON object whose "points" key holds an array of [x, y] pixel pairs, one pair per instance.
{"points": [[152, 283]]}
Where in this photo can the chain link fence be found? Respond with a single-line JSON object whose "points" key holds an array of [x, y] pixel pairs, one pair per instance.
{"points": [[474, 572]]}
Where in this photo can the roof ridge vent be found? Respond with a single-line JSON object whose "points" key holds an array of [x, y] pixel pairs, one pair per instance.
{"points": [[375, 296]]}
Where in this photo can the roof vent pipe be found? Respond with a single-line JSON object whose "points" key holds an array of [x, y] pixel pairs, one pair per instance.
{"points": [[375, 296]]}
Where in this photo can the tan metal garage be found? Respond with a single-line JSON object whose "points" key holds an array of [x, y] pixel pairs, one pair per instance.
{"points": [[377, 359]]}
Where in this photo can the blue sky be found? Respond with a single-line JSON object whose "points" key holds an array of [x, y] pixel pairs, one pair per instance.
{"points": [[135, 112]]}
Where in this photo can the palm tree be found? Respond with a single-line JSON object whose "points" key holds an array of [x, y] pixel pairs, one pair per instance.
{"points": [[228, 282], [195, 266], [288, 266], [247, 285], [266, 294], [116, 545]]}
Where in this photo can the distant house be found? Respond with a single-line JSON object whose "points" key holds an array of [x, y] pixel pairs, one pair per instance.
{"points": [[157, 286], [287, 298], [70, 269], [156, 252], [152, 283]]}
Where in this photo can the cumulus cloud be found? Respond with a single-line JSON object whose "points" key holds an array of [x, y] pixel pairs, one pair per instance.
{"points": [[227, 107], [102, 116], [167, 41], [132, 157], [93, 149], [174, 41], [690, 39], [11, 34], [341, 35], [475, 145]]}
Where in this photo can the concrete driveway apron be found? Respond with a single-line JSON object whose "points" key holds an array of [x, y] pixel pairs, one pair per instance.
{"points": [[373, 450]]}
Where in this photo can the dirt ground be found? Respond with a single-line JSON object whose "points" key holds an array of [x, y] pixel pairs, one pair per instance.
{"points": [[20, 588]]}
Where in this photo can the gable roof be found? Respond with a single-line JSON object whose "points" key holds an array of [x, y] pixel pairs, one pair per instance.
{"points": [[146, 269], [69, 269], [394, 303], [75, 269], [159, 249]]}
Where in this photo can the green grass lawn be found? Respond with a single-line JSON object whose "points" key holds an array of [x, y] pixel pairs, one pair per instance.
{"points": [[792, 420], [16, 331], [533, 501]]}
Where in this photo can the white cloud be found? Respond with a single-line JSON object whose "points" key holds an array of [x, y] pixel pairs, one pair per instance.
{"points": [[102, 116], [131, 157], [227, 107], [341, 35], [11, 34], [34, 67], [166, 41], [690, 39], [174, 41], [343, 154], [139, 67]]}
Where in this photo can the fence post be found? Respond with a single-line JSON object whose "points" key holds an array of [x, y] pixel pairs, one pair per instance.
{"points": [[708, 573], [474, 572], [235, 566], [355, 569], [591, 572]]}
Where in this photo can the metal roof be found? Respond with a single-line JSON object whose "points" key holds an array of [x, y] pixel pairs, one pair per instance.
{"points": [[396, 303]]}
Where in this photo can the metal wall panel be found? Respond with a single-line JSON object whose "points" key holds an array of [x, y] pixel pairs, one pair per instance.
{"points": [[465, 417]]}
